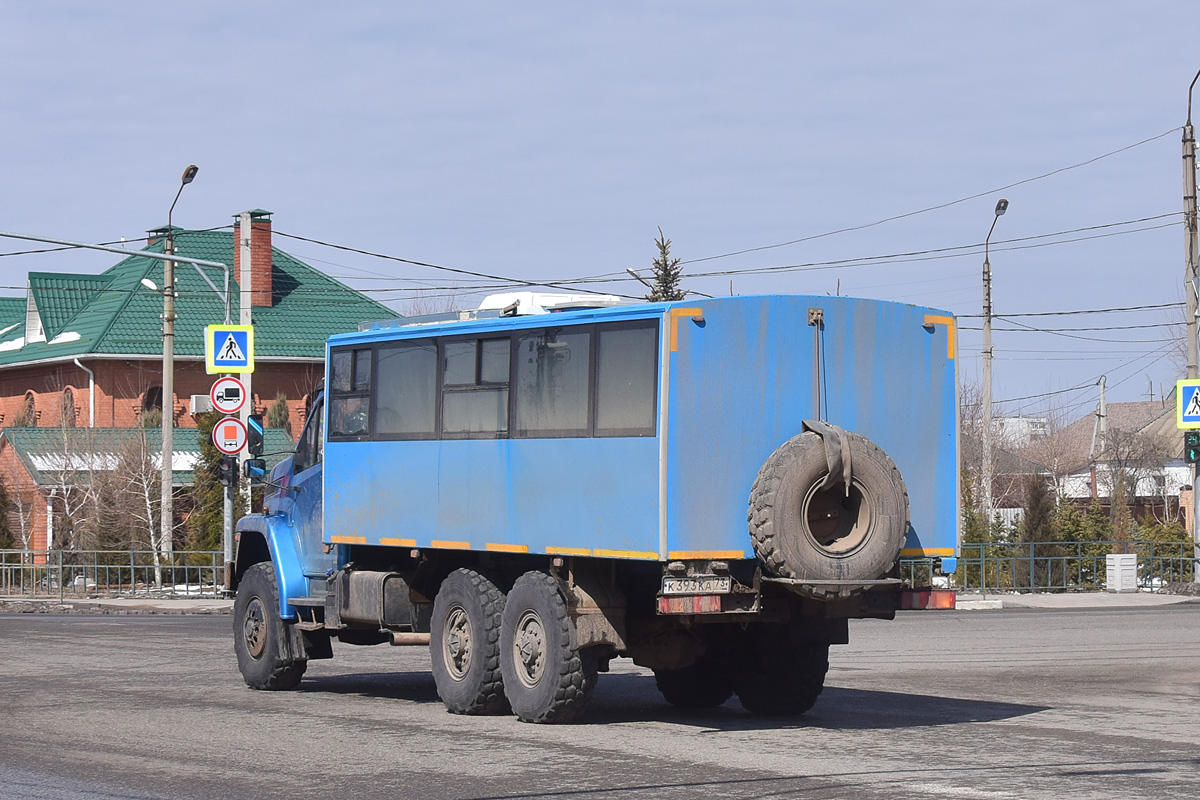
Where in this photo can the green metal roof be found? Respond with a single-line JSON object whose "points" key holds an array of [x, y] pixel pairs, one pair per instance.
{"points": [[58, 456], [60, 297], [12, 312], [115, 314]]}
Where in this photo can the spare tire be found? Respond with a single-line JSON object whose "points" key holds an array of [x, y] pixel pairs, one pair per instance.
{"points": [[805, 530]]}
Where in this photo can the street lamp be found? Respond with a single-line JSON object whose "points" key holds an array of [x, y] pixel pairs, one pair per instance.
{"points": [[167, 505], [1001, 207]]}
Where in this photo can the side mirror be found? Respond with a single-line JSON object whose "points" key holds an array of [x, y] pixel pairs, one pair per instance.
{"points": [[255, 469], [254, 436]]}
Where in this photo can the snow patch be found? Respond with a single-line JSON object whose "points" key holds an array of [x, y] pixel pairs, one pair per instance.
{"points": [[15, 344], [63, 338]]}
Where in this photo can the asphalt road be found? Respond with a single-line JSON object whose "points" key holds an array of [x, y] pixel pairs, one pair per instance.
{"points": [[988, 705]]}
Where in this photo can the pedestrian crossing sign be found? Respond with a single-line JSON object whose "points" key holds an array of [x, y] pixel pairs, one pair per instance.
{"points": [[1187, 404], [229, 348]]}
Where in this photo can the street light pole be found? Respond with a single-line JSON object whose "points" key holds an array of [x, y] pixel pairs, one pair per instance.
{"points": [[1192, 288], [167, 505], [1001, 207]]}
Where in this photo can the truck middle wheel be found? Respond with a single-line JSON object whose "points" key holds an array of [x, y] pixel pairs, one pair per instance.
{"points": [[546, 679]]}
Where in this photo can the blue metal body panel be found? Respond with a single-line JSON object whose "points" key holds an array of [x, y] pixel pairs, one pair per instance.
{"points": [[741, 384], [539, 493], [736, 384]]}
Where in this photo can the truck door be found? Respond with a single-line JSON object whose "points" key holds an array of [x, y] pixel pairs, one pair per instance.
{"points": [[305, 511]]}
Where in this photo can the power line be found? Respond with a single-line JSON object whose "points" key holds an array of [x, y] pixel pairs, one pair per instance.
{"points": [[180, 234], [456, 270], [1097, 328], [1083, 311], [939, 253], [936, 207]]}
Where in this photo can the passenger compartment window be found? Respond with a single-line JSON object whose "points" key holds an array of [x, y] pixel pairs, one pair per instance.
{"points": [[626, 379], [475, 387], [598, 379], [406, 390], [553, 371], [350, 395]]}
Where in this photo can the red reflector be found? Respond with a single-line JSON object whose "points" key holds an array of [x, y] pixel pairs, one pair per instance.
{"points": [[930, 600], [690, 604]]}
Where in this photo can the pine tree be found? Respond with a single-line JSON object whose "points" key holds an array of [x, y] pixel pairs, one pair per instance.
{"points": [[278, 415], [973, 528], [667, 273], [1039, 512]]}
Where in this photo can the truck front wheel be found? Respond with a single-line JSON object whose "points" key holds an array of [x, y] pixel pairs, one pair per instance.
{"points": [[546, 678], [259, 636], [464, 645]]}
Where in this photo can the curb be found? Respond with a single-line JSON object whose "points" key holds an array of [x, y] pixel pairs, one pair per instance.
{"points": [[119, 607], [978, 605]]}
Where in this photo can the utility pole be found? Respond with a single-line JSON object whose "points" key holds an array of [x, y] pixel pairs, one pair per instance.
{"points": [[245, 278], [1192, 287], [1099, 435], [1001, 207], [167, 504]]}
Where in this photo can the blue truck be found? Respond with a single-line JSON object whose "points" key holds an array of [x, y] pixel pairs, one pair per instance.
{"points": [[711, 489]]}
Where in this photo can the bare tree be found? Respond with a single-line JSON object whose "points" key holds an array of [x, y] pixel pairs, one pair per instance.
{"points": [[22, 511], [139, 486], [431, 301], [71, 465], [1129, 458], [1050, 450]]}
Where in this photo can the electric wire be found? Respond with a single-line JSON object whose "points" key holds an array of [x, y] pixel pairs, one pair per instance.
{"points": [[935, 207], [440, 267]]}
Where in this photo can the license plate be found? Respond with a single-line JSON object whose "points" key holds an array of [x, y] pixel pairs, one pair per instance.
{"points": [[706, 584]]}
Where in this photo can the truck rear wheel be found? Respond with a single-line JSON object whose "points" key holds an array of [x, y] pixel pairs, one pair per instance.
{"points": [[464, 644], [779, 676], [546, 678], [804, 531], [260, 636], [705, 684]]}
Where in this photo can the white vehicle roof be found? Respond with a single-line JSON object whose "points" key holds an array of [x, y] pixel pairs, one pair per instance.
{"points": [[546, 302]]}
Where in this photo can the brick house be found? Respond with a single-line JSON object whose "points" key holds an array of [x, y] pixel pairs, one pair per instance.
{"points": [[86, 350]]}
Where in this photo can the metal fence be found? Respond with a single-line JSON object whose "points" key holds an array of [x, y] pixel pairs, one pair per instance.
{"points": [[110, 573], [991, 567], [1054, 566]]}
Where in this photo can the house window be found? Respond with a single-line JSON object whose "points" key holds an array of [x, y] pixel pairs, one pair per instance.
{"points": [[68, 407], [152, 399], [28, 417]]}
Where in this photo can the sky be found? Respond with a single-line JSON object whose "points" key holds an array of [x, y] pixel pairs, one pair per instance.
{"points": [[777, 144]]}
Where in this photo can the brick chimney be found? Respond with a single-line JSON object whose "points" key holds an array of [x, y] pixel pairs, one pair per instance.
{"points": [[157, 234], [260, 256]]}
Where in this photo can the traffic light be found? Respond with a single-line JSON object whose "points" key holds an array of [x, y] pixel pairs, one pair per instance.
{"points": [[227, 471], [1191, 446]]}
